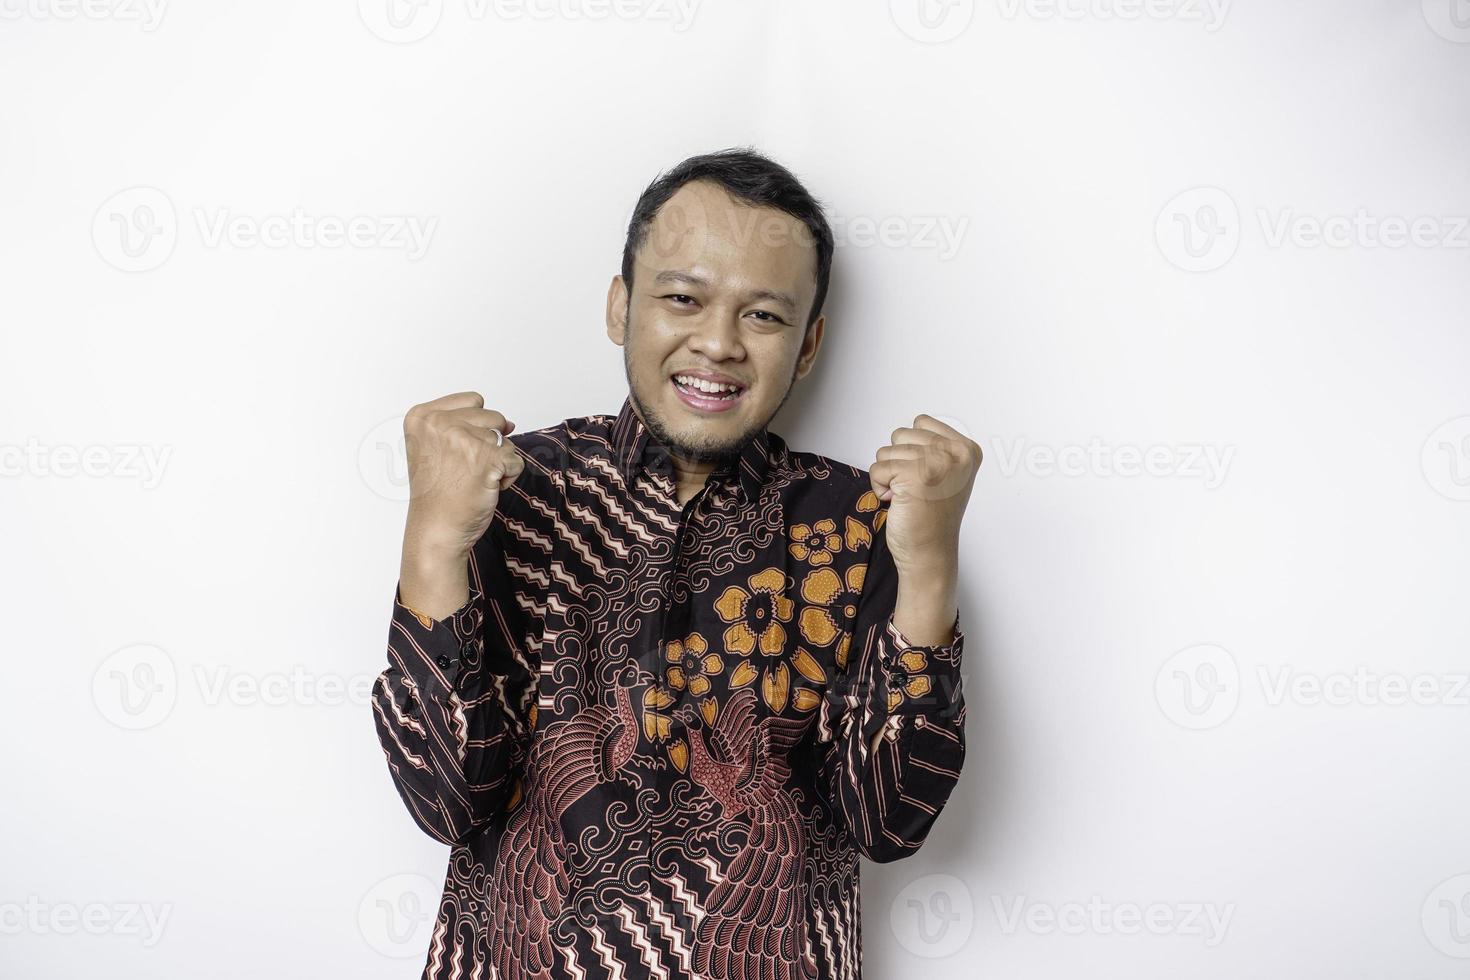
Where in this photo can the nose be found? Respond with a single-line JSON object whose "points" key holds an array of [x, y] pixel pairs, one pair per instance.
{"points": [[716, 335]]}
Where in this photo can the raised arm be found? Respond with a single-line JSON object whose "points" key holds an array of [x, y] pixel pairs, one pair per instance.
{"points": [[894, 724], [454, 709], [891, 736]]}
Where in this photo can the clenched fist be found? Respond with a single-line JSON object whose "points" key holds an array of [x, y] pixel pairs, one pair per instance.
{"points": [[925, 474], [458, 464]]}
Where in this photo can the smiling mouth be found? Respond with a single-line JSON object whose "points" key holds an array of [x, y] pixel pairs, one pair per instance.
{"points": [[704, 394]]}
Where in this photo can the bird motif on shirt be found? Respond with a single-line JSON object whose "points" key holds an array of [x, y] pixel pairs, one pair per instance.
{"points": [[530, 881], [754, 926]]}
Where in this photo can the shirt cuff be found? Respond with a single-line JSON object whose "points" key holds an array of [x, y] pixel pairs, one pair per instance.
{"points": [[919, 679], [450, 643]]}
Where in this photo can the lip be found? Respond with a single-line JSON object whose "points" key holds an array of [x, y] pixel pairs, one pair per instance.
{"points": [[700, 403], [714, 376]]}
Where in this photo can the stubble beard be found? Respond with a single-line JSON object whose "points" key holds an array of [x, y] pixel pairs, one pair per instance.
{"points": [[718, 455]]}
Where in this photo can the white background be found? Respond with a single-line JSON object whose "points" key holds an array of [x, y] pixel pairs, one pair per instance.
{"points": [[1130, 195]]}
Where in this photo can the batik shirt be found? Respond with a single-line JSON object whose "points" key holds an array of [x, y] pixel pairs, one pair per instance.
{"points": [[658, 737]]}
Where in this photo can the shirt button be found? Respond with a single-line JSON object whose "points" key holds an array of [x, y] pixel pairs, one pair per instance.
{"points": [[443, 661]]}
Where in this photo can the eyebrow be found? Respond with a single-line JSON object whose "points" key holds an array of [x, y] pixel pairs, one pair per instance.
{"points": [[675, 276]]}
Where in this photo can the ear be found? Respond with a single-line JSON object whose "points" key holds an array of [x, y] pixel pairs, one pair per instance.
{"points": [[617, 311], [810, 344]]}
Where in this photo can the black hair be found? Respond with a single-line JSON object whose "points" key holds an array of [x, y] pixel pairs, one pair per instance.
{"points": [[751, 178]]}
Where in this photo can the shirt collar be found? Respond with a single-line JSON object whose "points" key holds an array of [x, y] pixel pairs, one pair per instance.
{"points": [[636, 448]]}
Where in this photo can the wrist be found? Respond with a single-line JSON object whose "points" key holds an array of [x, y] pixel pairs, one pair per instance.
{"points": [[430, 543], [934, 573], [927, 609]]}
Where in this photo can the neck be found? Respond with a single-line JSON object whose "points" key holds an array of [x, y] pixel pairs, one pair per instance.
{"points": [[689, 477]]}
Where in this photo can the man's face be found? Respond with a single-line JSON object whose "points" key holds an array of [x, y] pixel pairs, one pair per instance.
{"points": [[719, 288]]}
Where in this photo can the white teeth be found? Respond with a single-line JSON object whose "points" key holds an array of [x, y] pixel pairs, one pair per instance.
{"points": [[714, 388]]}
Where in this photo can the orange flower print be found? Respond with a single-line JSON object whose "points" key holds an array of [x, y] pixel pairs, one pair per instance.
{"points": [[831, 597], [911, 683], [755, 616], [657, 723], [815, 543], [856, 530], [691, 664]]}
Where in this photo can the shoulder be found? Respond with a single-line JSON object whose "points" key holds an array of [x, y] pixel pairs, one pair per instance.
{"points": [[823, 485], [552, 447]]}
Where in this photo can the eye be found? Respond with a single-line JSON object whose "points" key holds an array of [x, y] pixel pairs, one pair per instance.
{"points": [[773, 317], [678, 297]]}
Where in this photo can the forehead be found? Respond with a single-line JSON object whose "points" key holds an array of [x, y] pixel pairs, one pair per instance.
{"points": [[702, 229]]}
